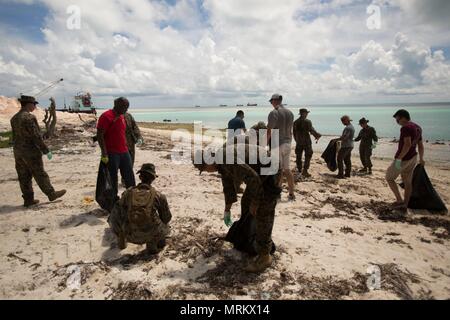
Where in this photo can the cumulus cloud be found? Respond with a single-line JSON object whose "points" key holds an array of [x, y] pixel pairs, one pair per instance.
{"points": [[209, 51]]}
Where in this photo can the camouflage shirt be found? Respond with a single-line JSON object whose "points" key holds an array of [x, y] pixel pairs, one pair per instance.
{"points": [[366, 136], [303, 128], [257, 187], [132, 133], [152, 229], [26, 134]]}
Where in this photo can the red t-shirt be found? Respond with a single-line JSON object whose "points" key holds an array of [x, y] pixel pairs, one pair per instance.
{"points": [[415, 132], [114, 126]]}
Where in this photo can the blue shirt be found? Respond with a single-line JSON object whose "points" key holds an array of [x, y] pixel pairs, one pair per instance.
{"points": [[236, 123]]}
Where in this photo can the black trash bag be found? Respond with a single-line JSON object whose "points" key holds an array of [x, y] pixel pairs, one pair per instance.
{"points": [[104, 192], [424, 196], [242, 235], [330, 154]]}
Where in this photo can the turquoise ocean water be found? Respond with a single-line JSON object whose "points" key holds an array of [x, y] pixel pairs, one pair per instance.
{"points": [[433, 118]]}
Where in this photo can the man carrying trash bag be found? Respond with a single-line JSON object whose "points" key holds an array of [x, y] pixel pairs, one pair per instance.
{"points": [[111, 128], [259, 200]]}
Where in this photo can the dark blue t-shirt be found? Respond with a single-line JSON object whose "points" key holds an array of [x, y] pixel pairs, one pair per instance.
{"points": [[236, 123]]}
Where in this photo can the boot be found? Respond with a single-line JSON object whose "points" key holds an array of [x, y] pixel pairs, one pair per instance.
{"points": [[56, 195], [340, 176], [261, 263], [306, 174], [121, 242], [30, 203], [363, 170], [152, 248], [348, 174], [369, 171]]}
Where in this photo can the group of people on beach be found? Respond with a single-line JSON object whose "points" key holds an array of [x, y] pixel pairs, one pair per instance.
{"points": [[142, 215]]}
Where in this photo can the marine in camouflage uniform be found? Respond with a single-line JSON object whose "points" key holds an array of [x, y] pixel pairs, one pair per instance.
{"points": [[302, 131], [28, 147], [261, 192], [153, 228], [367, 136], [133, 135]]}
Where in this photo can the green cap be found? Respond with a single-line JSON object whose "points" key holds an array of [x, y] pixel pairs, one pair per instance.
{"points": [[27, 99], [148, 168]]}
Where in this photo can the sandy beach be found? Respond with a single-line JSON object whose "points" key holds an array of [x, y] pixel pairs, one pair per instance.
{"points": [[327, 240]]}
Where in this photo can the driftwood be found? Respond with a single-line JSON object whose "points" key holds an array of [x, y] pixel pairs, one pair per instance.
{"points": [[50, 120]]}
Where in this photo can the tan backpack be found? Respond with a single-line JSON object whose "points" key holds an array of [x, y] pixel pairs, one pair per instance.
{"points": [[140, 203]]}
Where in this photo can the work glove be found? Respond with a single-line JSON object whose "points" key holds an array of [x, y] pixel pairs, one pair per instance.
{"points": [[140, 141], [49, 155], [398, 164], [105, 159], [227, 218], [374, 146]]}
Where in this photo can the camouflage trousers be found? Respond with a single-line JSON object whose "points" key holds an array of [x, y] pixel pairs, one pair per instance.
{"points": [[265, 217], [365, 153], [307, 149], [132, 151], [31, 166]]}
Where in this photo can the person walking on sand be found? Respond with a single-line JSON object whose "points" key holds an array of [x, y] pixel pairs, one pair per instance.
{"points": [[405, 158], [28, 148], [303, 128], [369, 139], [111, 128], [282, 119], [345, 152]]}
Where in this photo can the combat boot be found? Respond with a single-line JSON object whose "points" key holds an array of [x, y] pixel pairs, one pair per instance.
{"points": [[30, 203], [306, 174], [56, 195], [121, 242], [261, 263], [152, 248], [369, 171]]}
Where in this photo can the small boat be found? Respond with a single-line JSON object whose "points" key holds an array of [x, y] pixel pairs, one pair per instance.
{"points": [[81, 103], [223, 105], [252, 104], [239, 105]]}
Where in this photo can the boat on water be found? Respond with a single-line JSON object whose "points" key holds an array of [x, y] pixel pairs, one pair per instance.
{"points": [[81, 103], [252, 104], [223, 105], [239, 105]]}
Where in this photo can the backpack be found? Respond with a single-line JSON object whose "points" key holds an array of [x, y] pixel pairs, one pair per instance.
{"points": [[140, 203]]}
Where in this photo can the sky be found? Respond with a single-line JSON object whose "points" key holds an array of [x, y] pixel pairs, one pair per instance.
{"points": [[211, 52]]}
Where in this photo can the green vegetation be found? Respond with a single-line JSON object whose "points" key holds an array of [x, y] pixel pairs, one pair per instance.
{"points": [[5, 138]]}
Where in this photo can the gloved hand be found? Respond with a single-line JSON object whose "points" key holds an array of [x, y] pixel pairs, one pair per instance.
{"points": [[49, 155], [140, 141], [105, 159], [374, 146], [398, 164], [227, 218]]}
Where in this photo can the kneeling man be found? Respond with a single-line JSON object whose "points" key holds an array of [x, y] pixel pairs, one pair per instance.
{"points": [[142, 214]]}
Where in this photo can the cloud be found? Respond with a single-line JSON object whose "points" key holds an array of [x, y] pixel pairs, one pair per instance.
{"points": [[190, 50]]}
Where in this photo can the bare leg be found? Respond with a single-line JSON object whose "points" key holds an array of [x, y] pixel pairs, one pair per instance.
{"points": [[290, 181], [394, 188], [408, 192]]}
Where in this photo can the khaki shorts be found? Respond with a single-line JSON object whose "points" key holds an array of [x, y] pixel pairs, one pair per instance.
{"points": [[406, 171], [285, 156]]}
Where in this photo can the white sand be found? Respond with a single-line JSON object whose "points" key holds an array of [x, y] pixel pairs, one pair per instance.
{"points": [[323, 252]]}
